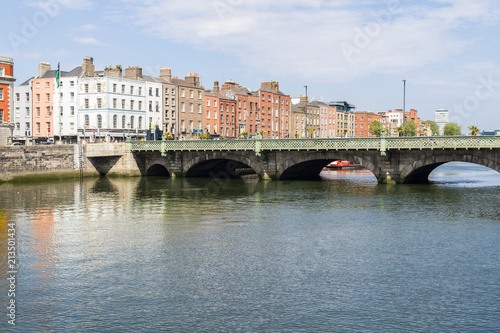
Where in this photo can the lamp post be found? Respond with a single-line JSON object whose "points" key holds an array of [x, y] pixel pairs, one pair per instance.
{"points": [[404, 105], [305, 110]]}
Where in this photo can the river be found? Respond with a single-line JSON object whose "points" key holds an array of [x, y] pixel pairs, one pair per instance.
{"points": [[211, 255]]}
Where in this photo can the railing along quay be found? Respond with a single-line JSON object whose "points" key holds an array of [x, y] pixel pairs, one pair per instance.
{"points": [[381, 144]]}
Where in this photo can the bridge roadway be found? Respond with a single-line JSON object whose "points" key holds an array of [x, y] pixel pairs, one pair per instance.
{"points": [[391, 160]]}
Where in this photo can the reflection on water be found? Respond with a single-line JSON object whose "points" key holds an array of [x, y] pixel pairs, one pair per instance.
{"points": [[343, 254]]}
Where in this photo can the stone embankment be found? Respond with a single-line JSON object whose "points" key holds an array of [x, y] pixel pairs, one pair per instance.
{"points": [[25, 163]]}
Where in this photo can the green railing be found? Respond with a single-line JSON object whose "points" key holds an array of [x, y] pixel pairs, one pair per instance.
{"points": [[258, 145]]}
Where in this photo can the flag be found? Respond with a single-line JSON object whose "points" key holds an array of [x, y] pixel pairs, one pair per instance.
{"points": [[58, 75]]}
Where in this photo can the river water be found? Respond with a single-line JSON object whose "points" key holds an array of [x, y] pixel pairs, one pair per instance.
{"points": [[213, 255]]}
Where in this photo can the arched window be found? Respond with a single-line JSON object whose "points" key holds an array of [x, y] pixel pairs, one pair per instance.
{"points": [[86, 120], [124, 122], [139, 123], [132, 122], [99, 121], [115, 121]]}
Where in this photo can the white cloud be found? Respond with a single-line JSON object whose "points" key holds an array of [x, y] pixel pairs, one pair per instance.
{"points": [[324, 40], [87, 40]]}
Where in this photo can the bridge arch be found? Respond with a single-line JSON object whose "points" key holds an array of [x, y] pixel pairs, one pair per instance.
{"points": [[419, 170], [215, 164], [157, 167], [308, 166]]}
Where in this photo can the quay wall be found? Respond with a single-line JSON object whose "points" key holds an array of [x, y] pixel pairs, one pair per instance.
{"points": [[18, 163]]}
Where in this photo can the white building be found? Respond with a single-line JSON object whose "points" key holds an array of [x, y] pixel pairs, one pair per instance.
{"points": [[23, 120], [66, 105], [441, 117]]}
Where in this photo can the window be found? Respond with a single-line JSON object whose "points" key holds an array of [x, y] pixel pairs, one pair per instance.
{"points": [[124, 121], [1, 95], [191, 126], [72, 96], [114, 103], [114, 87], [190, 93], [182, 93], [99, 121], [86, 103], [72, 110], [157, 106], [71, 83], [37, 84], [140, 91], [98, 87], [208, 128], [199, 108], [166, 91], [61, 110], [47, 84], [38, 128], [157, 92], [150, 91], [17, 95], [139, 123], [199, 94], [86, 120], [183, 107], [123, 89], [215, 103], [191, 107], [27, 97], [150, 105], [86, 87], [123, 104], [208, 114], [38, 111], [132, 104], [132, 122], [47, 96], [27, 111], [208, 102], [183, 126], [215, 115], [99, 103], [140, 105], [2, 72], [131, 90]]}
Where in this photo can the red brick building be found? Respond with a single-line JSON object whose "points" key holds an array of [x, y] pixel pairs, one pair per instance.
{"points": [[6, 91], [274, 109], [363, 119]]}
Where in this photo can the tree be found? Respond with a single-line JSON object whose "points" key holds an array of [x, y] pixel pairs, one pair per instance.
{"points": [[410, 128], [376, 128], [400, 130], [473, 130], [434, 126], [452, 129]]}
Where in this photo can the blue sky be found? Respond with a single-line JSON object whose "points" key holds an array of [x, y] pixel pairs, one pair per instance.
{"points": [[358, 51]]}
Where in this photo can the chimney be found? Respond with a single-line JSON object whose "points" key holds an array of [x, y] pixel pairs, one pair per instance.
{"points": [[230, 85], [216, 87], [113, 72], [88, 68], [43, 67], [303, 99], [273, 85], [166, 73], [133, 73], [193, 79]]}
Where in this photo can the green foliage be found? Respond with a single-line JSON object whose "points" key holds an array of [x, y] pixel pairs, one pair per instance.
{"points": [[452, 129], [473, 130], [434, 126], [376, 128], [410, 128]]}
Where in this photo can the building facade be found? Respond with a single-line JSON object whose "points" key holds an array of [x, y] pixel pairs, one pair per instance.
{"points": [[23, 121], [363, 120], [6, 99], [190, 103], [441, 117]]}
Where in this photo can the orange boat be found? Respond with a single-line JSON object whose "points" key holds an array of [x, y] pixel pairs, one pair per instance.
{"points": [[341, 164]]}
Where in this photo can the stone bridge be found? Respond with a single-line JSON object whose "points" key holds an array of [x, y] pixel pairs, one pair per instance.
{"points": [[391, 160]]}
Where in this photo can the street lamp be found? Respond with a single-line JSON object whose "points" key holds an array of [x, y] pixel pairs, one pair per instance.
{"points": [[305, 109], [404, 105]]}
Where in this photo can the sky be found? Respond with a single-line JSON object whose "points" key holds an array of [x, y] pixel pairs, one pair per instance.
{"points": [[358, 51]]}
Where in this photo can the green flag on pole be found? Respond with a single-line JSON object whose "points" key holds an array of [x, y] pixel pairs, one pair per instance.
{"points": [[58, 75]]}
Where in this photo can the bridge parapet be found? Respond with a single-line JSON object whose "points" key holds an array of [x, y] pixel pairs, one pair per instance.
{"points": [[380, 143]]}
